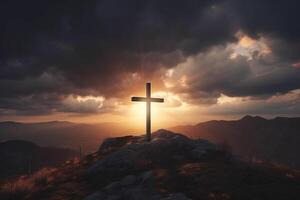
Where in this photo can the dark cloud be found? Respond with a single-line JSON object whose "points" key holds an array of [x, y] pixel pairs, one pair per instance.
{"points": [[283, 105], [89, 38], [277, 18], [210, 74], [52, 49]]}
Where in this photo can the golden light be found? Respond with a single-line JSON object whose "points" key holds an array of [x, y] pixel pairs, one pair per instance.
{"points": [[223, 99], [137, 114], [246, 46], [163, 115]]}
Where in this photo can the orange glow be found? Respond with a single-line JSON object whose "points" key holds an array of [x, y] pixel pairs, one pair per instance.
{"points": [[137, 114], [296, 65], [246, 46]]}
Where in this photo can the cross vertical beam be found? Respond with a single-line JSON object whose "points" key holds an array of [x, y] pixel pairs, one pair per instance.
{"points": [[148, 111], [148, 99]]}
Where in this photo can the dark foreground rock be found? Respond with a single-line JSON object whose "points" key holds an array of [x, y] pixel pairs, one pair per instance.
{"points": [[134, 187], [130, 153], [170, 167]]}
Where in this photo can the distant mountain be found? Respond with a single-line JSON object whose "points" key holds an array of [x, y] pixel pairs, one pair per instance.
{"points": [[170, 167], [276, 140], [61, 133], [19, 157]]}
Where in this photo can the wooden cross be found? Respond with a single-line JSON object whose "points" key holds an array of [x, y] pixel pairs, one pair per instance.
{"points": [[148, 101]]}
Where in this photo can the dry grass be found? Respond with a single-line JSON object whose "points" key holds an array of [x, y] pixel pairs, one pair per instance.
{"points": [[20, 188], [16, 189], [42, 177]]}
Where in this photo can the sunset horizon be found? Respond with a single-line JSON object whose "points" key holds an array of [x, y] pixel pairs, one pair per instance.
{"points": [[67, 69], [149, 100]]}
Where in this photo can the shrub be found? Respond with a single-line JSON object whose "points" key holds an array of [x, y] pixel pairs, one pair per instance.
{"points": [[20, 188], [16, 189], [41, 177]]}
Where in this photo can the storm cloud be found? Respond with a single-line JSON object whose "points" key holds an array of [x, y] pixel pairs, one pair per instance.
{"points": [[51, 50]]}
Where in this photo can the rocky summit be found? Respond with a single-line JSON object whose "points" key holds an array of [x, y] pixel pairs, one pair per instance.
{"points": [[170, 167], [132, 155]]}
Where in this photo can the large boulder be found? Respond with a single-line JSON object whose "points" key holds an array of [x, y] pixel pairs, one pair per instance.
{"points": [[131, 152], [124, 172], [134, 188], [130, 187]]}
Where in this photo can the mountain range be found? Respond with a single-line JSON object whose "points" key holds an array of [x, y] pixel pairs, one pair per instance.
{"points": [[253, 137], [169, 167], [19, 157], [61, 133]]}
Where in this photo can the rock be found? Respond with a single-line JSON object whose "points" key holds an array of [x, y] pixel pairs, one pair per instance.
{"points": [[137, 193], [113, 197], [113, 186], [132, 152], [165, 134], [201, 147], [177, 196], [130, 187], [95, 196], [129, 180], [113, 143], [120, 160], [146, 176]]}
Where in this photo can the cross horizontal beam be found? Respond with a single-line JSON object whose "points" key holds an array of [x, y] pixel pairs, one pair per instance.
{"points": [[159, 100], [148, 101], [138, 99]]}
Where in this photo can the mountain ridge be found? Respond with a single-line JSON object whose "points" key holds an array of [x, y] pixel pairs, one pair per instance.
{"points": [[19, 157], [252, 137], [60, 133], [275, 140], [170, 167]]}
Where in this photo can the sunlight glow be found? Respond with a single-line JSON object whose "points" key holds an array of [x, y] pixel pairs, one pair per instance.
{"points": [[87, 98], [249, 47], [83, 104], [223, 99], [162, 114]]}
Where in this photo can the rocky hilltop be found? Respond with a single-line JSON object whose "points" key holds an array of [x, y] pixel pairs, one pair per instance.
{"points": [[170, 167]]}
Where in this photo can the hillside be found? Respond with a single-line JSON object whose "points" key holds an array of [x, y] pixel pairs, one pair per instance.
{"points": [[252, 138], [20, 157], [61, 133], [275, 140], [170, 167]]}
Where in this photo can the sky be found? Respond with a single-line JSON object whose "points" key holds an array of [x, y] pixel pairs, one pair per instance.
{"points": [[81, 61]]}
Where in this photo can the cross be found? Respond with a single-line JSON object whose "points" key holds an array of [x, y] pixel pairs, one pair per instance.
{"points": [[148, 101]]}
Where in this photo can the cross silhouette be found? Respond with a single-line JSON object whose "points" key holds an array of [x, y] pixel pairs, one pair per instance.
{"points": [[148, 101]]}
